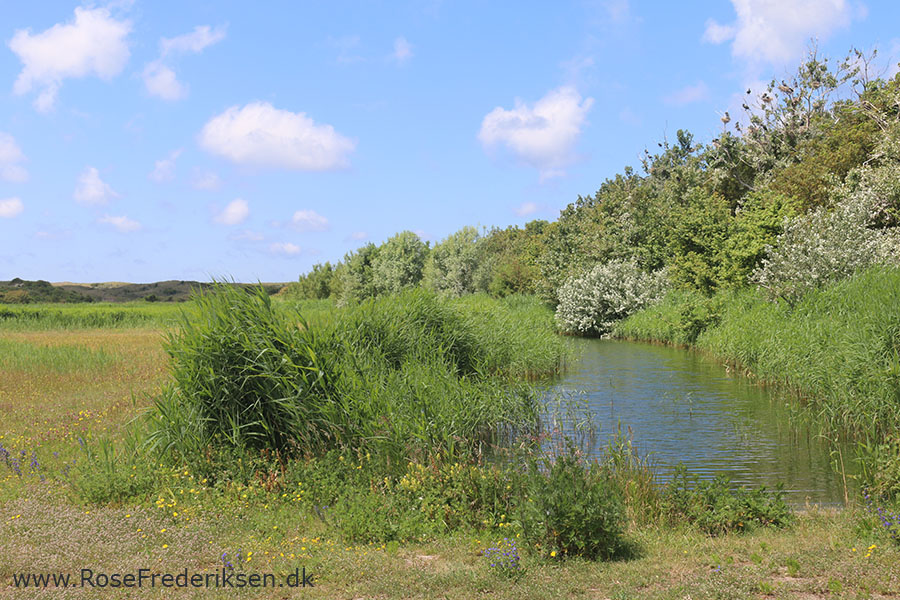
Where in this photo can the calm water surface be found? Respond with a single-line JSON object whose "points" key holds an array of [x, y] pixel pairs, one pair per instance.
{"points": [[683, 407]]}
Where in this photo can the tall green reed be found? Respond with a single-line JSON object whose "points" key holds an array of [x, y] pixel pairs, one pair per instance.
{"points": [[403, 377]]}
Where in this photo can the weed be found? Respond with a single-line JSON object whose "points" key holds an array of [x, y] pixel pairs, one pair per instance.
{"points": [[716, 508]]}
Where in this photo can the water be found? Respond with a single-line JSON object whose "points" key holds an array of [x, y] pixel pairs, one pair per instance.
{"points": [[683, 407]]}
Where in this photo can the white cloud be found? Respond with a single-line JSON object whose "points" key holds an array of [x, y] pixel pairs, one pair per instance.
{"points": [[10, 207], [192, 43], [122, 224], [94, 44], [91, 190], [716, 33], [777, 31], [159, 78], [402, 50], [526, 208], [206, 180], [309, 220], [261, 135], [162, 82], [542, 135], [688, 94], [358, 236], [10, 157], [284, 248], [164, 169], [235, 213]]}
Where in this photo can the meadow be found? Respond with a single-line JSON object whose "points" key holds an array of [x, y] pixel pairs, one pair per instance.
{"points": [[156, 439]]}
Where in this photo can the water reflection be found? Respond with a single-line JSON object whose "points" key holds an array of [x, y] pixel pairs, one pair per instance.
{"points": [[683, 407]]}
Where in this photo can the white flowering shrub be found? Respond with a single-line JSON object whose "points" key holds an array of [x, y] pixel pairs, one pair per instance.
{"points": [[826, 245], [593, 302]]}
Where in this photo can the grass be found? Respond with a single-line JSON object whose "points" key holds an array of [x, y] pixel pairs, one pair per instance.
{"points": [[54, 317], [21, 356], [822, 550], [48, 398]]}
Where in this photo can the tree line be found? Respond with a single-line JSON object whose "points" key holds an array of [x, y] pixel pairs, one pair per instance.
{"points": [[802, 188]]}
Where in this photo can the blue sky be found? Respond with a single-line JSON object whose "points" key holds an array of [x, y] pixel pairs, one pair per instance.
{"points": [[142, 141]]}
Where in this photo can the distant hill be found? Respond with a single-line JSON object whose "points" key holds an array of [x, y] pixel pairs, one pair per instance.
{"points": [[20, 291]]}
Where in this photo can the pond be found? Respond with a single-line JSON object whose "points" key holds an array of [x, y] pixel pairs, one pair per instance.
{"points": [[680, 406]]}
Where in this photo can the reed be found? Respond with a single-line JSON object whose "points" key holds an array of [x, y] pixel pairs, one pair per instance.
{"points": [[404, 377]]}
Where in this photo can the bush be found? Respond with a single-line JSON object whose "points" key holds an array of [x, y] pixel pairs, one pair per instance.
{"points": [[399, 263], [717, 509], [573, 509], [318, 284], [594, 302], [826, 245]]}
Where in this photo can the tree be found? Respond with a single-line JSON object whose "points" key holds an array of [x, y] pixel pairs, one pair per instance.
{"points": [[356, 276], [399, 263], [452, 264]]}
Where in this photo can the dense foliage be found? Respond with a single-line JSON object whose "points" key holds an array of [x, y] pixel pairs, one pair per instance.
{"points": [[403, 376], [716, 508]]}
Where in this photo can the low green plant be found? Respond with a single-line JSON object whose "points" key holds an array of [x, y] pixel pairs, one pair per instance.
{"points": [[881, 469], [377, 517], [766, 588], [793, 567], [716, 508], [572, 508], [504, 559], [105, 475], [835, 586]]}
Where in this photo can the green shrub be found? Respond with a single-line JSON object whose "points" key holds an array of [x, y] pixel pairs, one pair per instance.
{"points": [[452, 264], [716, 508], [573, 509], [399, 263], [826, 245], [318, 284]]}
